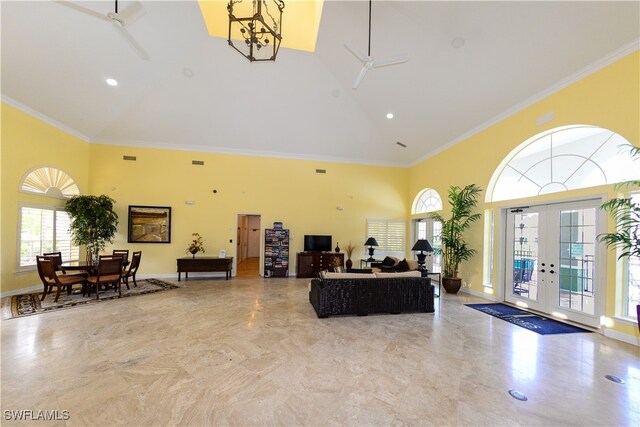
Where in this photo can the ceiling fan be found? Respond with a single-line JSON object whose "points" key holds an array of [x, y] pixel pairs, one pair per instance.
{"points": [[369, 62], [120, 21]]}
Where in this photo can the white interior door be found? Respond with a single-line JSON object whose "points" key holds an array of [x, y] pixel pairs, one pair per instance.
{"points": [[552, 261]]}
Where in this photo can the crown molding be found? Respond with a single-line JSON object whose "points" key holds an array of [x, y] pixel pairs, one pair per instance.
{"points": [[254, 153], [48, 120], [598, 65]]}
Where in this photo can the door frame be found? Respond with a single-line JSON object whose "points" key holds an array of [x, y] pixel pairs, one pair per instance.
{"points": [[601, 253], [235, 244]]}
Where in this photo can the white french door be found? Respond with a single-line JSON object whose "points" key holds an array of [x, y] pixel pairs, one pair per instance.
{"points": [[552, 260]]}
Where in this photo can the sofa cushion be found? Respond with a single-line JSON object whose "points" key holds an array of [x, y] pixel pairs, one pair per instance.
{"points": [[403, 266], [399, 274], [413, 264], [330, 275], [388, 262]]}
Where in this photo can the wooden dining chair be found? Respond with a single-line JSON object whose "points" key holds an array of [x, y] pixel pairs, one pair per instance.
{"points": [[133, 269], [124, 253], [47, 272], [109, 273], [56, 257]]}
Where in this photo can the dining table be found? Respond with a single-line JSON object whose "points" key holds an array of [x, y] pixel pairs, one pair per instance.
{"points": [[90, 268], [87, 267]]}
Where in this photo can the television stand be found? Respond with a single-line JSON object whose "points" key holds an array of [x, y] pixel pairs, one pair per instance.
{"points": [[309, 264]]}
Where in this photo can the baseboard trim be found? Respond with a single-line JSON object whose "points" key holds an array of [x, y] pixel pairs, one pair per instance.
{"points": [[629, 339], [479, 294]]}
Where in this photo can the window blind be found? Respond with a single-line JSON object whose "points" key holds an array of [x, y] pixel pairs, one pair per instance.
{"points": [[45, 230], [390, 235]]}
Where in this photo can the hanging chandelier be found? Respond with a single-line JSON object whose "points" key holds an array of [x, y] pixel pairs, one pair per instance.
{"points": [[255, 28]]}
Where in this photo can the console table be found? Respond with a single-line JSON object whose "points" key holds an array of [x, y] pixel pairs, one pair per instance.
{"points": [[188, 265]]}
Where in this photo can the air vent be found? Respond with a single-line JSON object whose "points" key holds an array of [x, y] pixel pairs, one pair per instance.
{"points": [[197, 162], [401, 144], [321, 171], [132, 158]]}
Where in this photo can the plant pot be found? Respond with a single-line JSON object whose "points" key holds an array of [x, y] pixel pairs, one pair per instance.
{"points": [[451, 284]]}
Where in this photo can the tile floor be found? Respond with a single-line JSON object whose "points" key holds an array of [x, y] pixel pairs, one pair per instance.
{"points": [[252, 352]]}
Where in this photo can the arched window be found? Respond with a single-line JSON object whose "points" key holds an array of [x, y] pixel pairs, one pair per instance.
{"points": [[51, 182], [560, 159], [428, 200]]}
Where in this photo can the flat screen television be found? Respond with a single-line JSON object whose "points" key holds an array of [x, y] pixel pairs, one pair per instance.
{"points": [[313, 243]]}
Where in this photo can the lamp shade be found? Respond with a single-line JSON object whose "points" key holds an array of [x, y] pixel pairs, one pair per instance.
{"points": [[422, 245], [371, 242]]}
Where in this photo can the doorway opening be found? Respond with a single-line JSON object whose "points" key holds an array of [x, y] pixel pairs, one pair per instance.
{"points": [[248, 245], [553, 260]]}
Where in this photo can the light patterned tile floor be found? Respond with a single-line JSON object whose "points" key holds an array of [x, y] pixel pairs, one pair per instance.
{"points": [[251, 351]]}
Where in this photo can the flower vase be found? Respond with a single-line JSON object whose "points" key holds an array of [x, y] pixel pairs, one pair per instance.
{"points": [[349, 264], [194, 252]]}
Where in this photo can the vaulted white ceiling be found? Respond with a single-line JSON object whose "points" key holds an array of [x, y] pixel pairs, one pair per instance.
{"points": [[197, 93]]}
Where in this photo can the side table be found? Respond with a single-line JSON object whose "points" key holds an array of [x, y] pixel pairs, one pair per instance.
{"points": [[366, 262], [427, 273]]}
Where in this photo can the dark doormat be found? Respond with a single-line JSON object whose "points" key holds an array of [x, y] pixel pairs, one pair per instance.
{"points": [[532, 322]]}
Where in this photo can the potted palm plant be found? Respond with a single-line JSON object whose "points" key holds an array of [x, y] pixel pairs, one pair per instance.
{"points": [[93, 223], [625, 211], [454, 247]]}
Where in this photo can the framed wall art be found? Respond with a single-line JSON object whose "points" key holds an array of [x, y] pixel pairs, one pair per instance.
{"points": [[149, 224]]}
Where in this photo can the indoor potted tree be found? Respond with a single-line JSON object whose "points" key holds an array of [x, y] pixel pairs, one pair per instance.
{"points": [[93, 223], [454, 247], [625, 211]]}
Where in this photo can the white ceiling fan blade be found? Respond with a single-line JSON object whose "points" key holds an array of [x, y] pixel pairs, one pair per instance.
{"points": [[361, 58], [390, 61], [129, 38], [360, 77], [82, 9], [131, 14]]}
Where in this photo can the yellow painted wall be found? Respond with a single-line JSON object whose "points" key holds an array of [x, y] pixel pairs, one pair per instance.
{"points": [[278, 189], [283, 190], [27, 144], [609, 98]]}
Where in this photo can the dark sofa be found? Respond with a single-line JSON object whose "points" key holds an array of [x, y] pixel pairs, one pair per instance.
{"points": [[371, 295]]}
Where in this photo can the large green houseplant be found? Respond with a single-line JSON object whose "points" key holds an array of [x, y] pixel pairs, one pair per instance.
{"points": [[626, 214], [93, 223], [454, 247]]}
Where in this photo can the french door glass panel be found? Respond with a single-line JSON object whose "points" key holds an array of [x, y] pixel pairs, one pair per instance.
{"points": [[551, 259]]}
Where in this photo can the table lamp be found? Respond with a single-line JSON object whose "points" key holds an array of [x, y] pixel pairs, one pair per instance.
{"points": [[371, 242], [423, 246]]}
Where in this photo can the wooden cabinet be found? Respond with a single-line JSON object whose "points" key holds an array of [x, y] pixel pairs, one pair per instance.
{"points": [[204, 264], [309, 264], [276, 252]]}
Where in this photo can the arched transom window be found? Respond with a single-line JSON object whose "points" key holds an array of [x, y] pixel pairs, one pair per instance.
{"points": [[428, 200], [51, 182], [561, 159]]}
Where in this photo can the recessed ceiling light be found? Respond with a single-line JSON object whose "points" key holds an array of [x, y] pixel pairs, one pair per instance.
{"points": [[112, 82], [389, 115], [458, 42]]}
